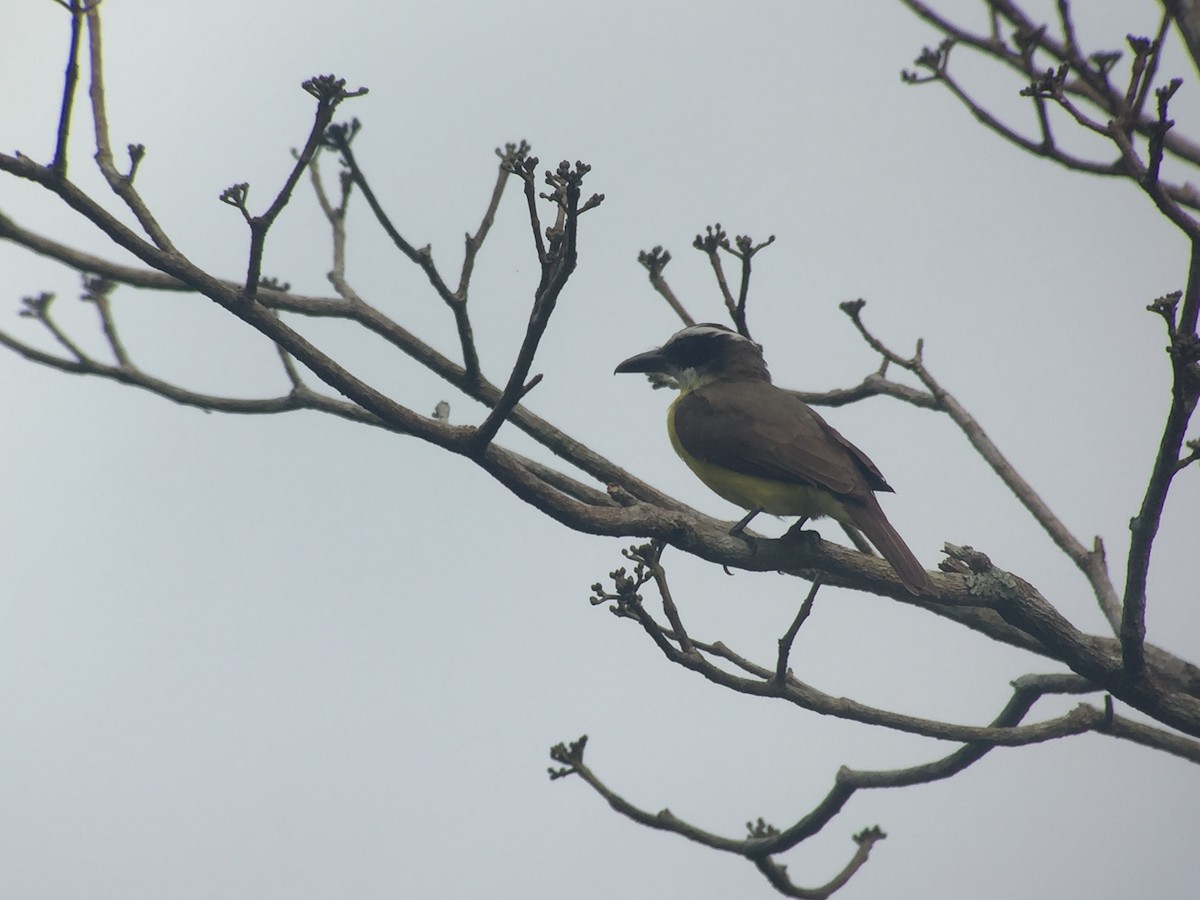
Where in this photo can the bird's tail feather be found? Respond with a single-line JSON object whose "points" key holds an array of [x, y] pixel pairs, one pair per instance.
{"points": [[870, 519]]}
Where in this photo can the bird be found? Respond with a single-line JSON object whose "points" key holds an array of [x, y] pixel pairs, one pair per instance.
{"points": [[764, 449]]}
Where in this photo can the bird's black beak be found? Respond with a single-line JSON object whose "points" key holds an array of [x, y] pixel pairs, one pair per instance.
{"points": [[650, 361]]}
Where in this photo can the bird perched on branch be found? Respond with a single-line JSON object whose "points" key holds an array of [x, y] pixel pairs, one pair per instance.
{"points": [[762, 448]]}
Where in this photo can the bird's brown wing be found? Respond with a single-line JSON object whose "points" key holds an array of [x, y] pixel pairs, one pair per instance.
{"points": [[870, 471], [757, 429]]}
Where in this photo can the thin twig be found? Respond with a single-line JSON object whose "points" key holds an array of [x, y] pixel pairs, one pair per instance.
{"points": [[654, 261], [654, 565], [785, 643], [39, 308], [339, 137], [746, 249], [778, 877], [121, 185], [511, 156], [526, 170], [422, 257], [561, 259], [1151, 69], [96, 290], [329, 93], [336, 217], [70, 80], [709, 244], [130, 375], [1044, 148]]}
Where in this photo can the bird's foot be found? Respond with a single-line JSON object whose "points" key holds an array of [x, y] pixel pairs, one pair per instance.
{"points": [[741, 524], [797, 530], [739, 530]]}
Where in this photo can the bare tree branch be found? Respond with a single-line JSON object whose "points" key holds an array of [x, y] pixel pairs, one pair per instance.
{"points": [[559, 262], [1186, 14], [511, 156], [1126, 116], [595, 496], [1185, 391], [765, 682], [70, 80], [121, 185], [710, 243], [785, 643], [655, 261], [765, 841], [681, 529], [778, 877], [356, 310], [339, 138], [329, 92], [1090, 562], [96, 290], [1090, 85]]}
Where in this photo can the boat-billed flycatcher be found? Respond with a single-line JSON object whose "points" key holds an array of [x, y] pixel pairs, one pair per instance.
{"points": [[762, 448]]}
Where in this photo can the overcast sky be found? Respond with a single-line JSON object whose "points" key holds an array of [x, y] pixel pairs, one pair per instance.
{"points": [[289, 657]]}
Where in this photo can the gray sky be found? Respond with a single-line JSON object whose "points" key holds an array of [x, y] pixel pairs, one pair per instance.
{"points": [[288, 657]]}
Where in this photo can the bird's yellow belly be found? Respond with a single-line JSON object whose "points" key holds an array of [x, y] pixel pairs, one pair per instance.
{"points": [[779, 498]]}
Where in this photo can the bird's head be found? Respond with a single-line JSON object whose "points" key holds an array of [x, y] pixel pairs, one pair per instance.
{"points": [[697, 355]]}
